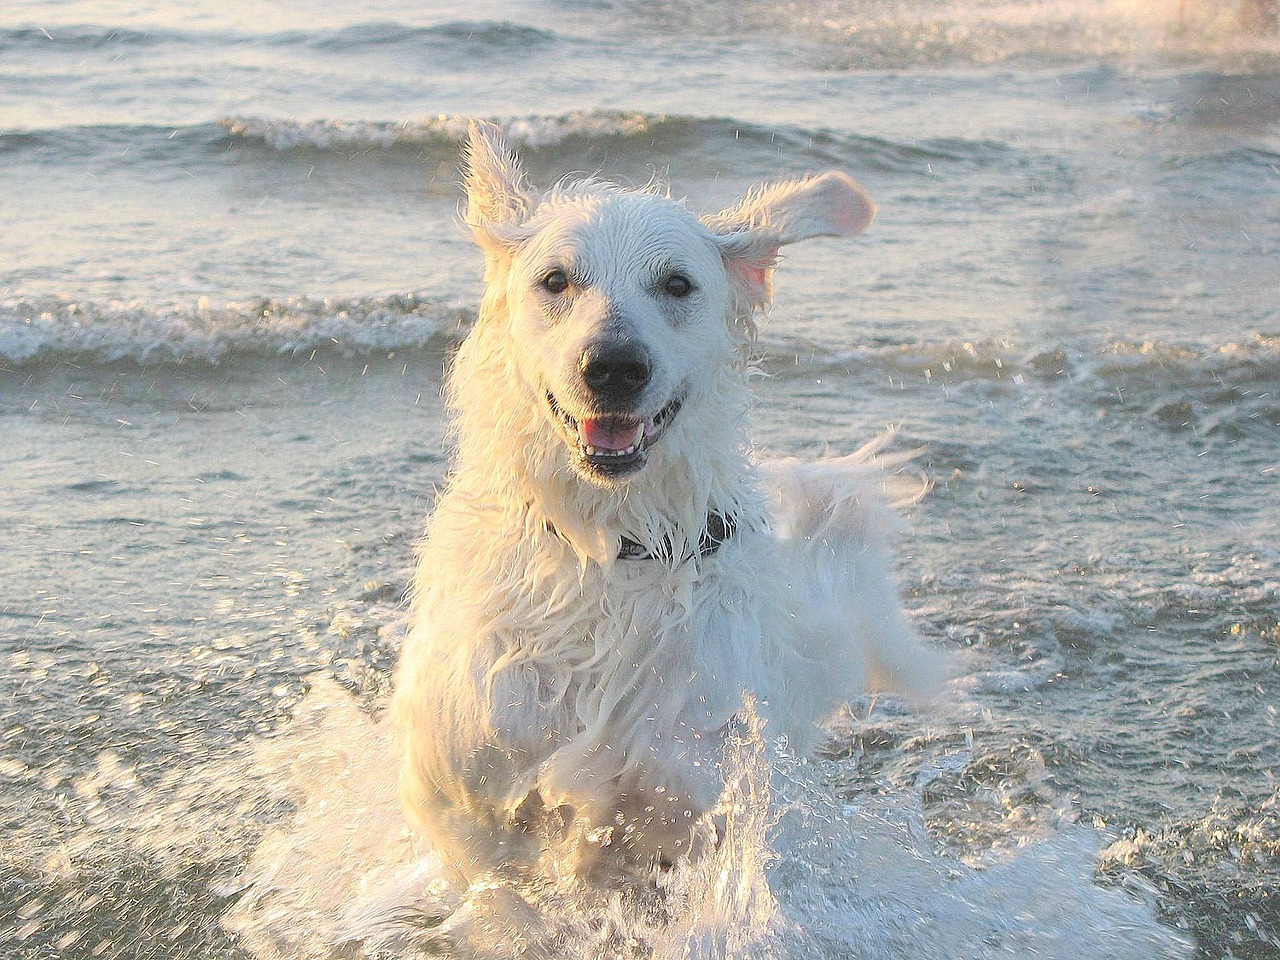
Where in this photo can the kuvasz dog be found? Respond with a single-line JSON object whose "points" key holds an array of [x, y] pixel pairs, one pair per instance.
{"points": [[609, 572]]}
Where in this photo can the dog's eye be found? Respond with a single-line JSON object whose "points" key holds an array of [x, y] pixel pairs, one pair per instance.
{"points": [[678, 285], [555, 282]]}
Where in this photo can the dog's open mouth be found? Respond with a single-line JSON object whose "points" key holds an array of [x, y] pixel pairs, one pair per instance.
{"points": [[614, 445]]}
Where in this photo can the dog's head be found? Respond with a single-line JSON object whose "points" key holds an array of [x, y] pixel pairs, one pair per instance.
{"points": [[623, 303]]}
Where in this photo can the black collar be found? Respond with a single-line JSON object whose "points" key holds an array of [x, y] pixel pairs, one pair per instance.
{"points": [[719, 528]]}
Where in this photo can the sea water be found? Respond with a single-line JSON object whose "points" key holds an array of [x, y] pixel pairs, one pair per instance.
{"points": [[231, 276]]}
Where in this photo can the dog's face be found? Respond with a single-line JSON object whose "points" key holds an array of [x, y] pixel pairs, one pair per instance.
{"points": [[623, 303], [619, 303]]}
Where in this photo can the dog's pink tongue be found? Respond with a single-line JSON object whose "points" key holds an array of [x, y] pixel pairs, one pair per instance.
{"points": [[611, 434]]}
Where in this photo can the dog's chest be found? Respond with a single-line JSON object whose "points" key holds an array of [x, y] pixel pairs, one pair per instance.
{"points": [[635, 644]]}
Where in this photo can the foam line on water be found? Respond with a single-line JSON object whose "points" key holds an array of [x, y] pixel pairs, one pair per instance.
{"points": [[61, 328]]}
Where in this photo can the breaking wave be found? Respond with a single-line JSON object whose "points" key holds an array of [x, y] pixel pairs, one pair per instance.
{"points": [[619, 130], [574, 137], [570, 137], [446, 130], [57, 329], [1179, 382]]}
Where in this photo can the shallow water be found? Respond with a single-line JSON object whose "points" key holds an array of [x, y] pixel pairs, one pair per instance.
{"points": [[230, 279]]}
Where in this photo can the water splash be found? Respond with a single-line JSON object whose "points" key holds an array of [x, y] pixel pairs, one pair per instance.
{"points": [[798, 875]]}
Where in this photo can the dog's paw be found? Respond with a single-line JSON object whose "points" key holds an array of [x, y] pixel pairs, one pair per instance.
{"points": [[495, 922]]}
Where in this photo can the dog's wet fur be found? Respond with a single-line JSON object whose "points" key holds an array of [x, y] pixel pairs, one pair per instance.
{"points": [[563, 697]]}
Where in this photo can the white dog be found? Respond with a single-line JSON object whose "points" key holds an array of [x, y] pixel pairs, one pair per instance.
{"points": [[608, 573]]}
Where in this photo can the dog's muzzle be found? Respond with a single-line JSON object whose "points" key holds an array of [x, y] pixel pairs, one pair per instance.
{"points": [[611, 445]]}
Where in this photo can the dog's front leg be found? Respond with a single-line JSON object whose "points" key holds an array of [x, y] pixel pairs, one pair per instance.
{"points": [[473, 738], [469, 837]]}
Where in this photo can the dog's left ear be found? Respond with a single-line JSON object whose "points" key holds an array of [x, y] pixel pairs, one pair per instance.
{"points": [[751, 232], [499, 196]]}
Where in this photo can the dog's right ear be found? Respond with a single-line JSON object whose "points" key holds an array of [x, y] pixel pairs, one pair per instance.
{"points": [[499, 197]]}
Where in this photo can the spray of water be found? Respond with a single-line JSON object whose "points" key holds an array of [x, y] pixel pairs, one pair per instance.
{"points": [[798, 874]]}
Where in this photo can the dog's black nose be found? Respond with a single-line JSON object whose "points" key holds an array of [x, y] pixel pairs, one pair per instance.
{"points": [[615, 372]]}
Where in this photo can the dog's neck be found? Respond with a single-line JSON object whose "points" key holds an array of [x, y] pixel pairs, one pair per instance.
{"points": [[511, 456], [719, 528]]}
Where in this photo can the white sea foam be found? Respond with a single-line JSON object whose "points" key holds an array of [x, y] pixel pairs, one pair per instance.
{"points": [[209, 332], [1154, 366], [528, 131]]}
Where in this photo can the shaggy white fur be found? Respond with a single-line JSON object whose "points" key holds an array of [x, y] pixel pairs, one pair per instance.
{"points": [[554, 694]]}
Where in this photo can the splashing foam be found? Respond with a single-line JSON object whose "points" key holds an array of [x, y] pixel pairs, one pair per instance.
{"points": [[308, 819], [797, 875]]}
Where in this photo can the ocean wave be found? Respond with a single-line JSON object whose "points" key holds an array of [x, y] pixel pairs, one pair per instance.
{"points": [[1243, 156], [1257, 357], [578, 140], [1222, 392], [84, 37], [141, 141], [828, 34], [62, 329], [650, 133], [464, 37], [1225, 392], [441, 133], [573, 137], [1155, 362], [460, 37], [1232, 374], [443, 130]]}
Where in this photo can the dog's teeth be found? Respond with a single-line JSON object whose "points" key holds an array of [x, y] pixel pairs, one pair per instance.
{"points": [[597, 452], [598, 437]]}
